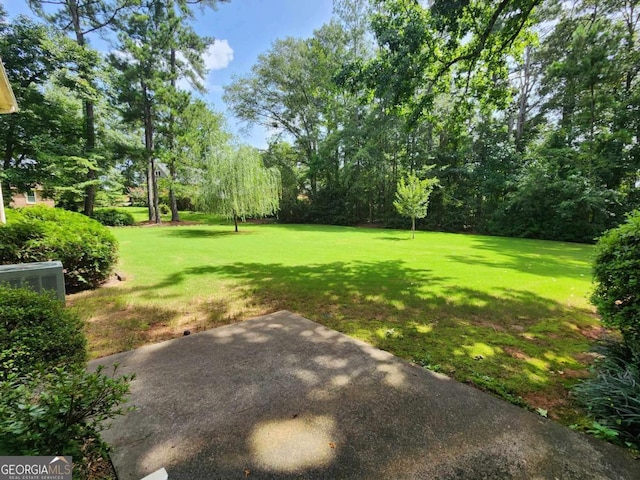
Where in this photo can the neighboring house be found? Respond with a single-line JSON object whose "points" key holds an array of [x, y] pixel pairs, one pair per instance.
{"points": [[162, 171], [29, 198]]}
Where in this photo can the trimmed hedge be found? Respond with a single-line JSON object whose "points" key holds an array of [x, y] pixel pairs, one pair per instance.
{"points": [[616, 271], [36, 331], [87, 249], [113, 217], [612, 396]]}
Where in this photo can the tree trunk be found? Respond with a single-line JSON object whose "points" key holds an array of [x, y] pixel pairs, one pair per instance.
{"points": [[175, 216], [523, 103], [90, 145], [235, 221], [152, 184], [413, 227], [8, 156], [150, 202], [88, 111]]}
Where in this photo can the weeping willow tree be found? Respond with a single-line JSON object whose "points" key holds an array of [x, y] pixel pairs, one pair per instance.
{"points": [[236, 184]]}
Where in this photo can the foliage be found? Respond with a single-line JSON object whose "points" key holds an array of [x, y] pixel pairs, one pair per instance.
{"points": [[87, 250], [37, 331], [616, 272], [412, 198], [77, 20], [529, 136], [164, 208], [424, 50], [549, 204], [138, 196], [237, 185], [157, 46], [113, 217], [612, 396], [45, 126], [63, 410]]}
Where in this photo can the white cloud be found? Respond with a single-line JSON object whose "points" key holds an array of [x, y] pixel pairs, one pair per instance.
{"points": [[219, 55]]}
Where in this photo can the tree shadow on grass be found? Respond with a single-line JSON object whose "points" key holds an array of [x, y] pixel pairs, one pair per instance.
{"points": [[537, 257], [191, 232], [508, 340], [394, 239]]}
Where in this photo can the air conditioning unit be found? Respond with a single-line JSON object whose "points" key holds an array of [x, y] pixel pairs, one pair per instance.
{"points": [[39, 276]]}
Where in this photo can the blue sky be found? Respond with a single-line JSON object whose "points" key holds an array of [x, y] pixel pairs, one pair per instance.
{"points": [[243, 30]]}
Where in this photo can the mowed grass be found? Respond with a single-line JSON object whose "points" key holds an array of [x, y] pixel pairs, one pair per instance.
{"points": [[510, 316]]}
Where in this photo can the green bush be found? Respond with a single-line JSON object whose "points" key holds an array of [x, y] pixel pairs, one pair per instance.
{"points": [[62, 411], [113, 217], [616, 272], [37, 331], [87, 250], [612, 397]]}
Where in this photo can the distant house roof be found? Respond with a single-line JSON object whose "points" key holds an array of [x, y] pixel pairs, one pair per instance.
{"points": [[162, 170], [8, 102]]}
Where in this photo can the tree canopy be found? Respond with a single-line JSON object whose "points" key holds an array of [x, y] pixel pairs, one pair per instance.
{"points": [[412, 198], [528, 110]]}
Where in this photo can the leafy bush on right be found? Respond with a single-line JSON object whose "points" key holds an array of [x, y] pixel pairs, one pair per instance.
{"points": [[616, 272], [612, 397], [87, 250], [112, 217]]}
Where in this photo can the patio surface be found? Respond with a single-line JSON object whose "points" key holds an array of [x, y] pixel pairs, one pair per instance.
{"points": [[282, 397]]}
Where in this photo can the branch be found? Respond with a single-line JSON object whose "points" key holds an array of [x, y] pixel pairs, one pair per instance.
{"points": [[484, 37], [98, 25]]}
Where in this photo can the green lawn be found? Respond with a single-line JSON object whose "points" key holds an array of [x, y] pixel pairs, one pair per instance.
{"points": [[508, 315]]}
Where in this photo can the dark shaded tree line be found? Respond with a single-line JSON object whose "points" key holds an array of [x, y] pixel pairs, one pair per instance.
{"points": [[527, 112]]}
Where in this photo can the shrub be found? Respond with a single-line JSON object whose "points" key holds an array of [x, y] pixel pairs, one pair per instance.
{"points": [[185, 204], [113, 217], [617, 275], [612, 397], [138, 196], [62, 411], [87, 250], [37, 331]]}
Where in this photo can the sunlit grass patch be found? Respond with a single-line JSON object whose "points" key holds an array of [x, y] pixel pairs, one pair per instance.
{"points": [[510, 316]]}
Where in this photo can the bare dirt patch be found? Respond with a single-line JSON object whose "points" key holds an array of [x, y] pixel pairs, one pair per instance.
{"points": [[593, 332], [516, 353], [556, 403]]}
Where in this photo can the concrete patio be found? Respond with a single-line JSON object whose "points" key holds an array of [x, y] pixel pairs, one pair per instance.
{"points": [[283, 397]]}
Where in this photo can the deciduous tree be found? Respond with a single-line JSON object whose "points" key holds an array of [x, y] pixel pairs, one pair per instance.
{"points": [[412, 198], [236, 184]]}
